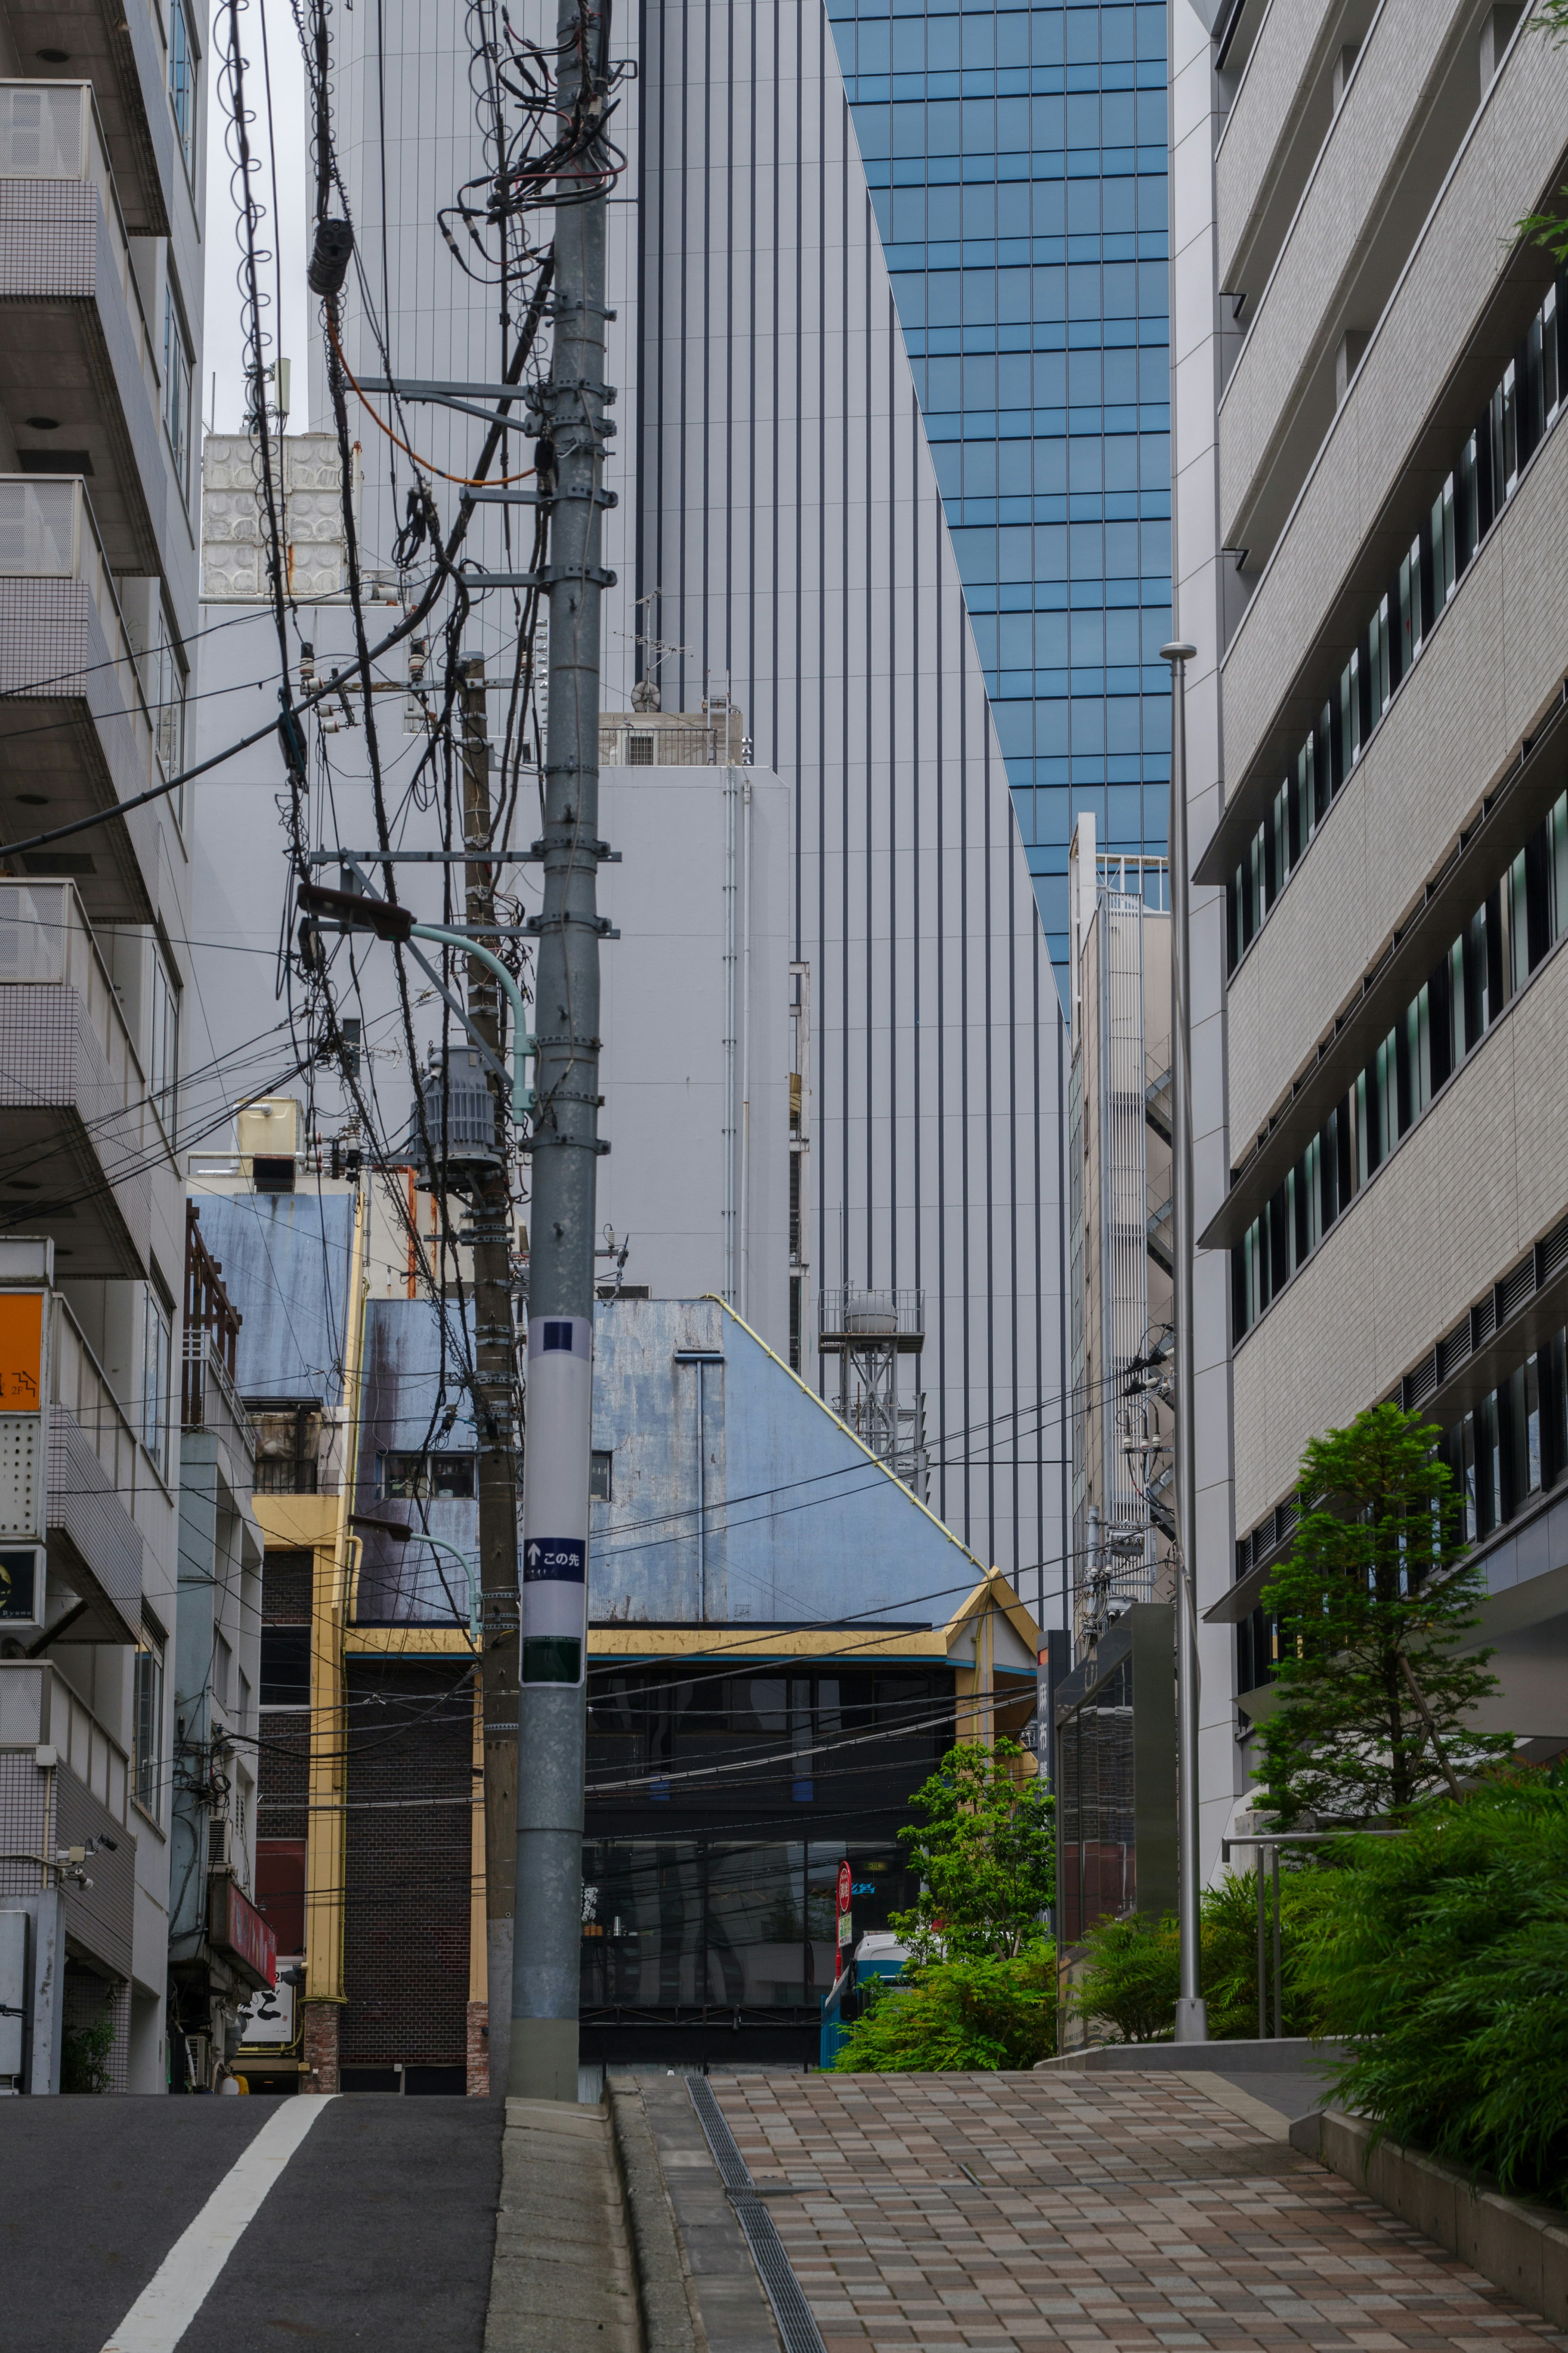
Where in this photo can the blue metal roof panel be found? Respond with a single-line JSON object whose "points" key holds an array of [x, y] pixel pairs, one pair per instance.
{"points": [[286, 1260]]}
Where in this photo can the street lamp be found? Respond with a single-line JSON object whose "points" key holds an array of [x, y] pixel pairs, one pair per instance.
{"points": [[1192, 2021], [400, 1532]]}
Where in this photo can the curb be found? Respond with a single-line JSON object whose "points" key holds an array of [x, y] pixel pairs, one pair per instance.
{"points": [[1520, 2247], [670, 2323]]}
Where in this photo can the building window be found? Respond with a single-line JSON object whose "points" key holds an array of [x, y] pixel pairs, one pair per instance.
{"points": [[156, 1362], [285, 1666], [1517, 922], [223, 1670], [163, 1045], [147, 1726], [164, 684], [183, 83], [426, 1478], [177, 390], [601, 1478]]}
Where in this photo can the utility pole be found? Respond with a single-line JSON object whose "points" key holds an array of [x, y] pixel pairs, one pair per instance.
{"points": [[1191, 2018], [495, 1366], [551, 1713]]}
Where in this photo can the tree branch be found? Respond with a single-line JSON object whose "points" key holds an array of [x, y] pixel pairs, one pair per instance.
{"points": [[1419, 1696]]}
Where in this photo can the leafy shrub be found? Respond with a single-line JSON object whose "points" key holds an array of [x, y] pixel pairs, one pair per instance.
{"points": [[1447, 1950], [1133, 1975], [982, 2014], [84, 2058]]}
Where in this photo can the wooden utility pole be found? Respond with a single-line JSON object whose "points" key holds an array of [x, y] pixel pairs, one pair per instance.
{"points": [[496, 1409]]}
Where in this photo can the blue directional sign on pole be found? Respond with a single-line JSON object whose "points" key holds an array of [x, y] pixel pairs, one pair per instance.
{"points": [[560, 1402]]}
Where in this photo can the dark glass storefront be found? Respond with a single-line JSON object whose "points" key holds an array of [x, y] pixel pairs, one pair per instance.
{"points": [[720, 1807]]}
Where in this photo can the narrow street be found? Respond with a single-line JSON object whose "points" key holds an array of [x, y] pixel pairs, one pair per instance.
{"points": [[380, 2224]]}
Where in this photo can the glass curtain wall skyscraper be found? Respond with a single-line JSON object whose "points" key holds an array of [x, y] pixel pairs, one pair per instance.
{"points": [[1017, 167]]}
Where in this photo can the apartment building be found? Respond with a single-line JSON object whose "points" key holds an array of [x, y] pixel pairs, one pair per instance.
{"points": [[102, 167], [1372, 562]]}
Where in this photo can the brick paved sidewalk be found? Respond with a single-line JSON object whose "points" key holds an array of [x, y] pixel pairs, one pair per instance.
{"points": [[1106, 2211]]}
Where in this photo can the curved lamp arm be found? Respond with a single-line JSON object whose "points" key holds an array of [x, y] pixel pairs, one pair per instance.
{"points": [[523, 1045]]}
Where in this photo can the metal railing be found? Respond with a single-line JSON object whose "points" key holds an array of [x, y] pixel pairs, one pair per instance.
{"points": [[862, 1318], [50, 131], [682, 740], [48, 531]]}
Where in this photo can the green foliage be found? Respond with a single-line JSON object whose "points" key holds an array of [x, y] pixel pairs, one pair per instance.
{"points": [[981, 2013], [1376, 1596], [84, 2058], [985, 1851], [1128, 1992], [1446, 1949]]}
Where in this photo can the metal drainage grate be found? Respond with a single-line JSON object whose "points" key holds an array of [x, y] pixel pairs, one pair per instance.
{"points": [[791, 2310]]}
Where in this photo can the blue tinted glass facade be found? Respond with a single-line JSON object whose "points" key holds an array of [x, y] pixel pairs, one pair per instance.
{"points": [[1017, 163]]}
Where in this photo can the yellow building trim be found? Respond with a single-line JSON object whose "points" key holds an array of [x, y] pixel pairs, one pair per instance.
{"points": [[334, 1546], [735, 1643], [298, 1522], [407, 1642]]}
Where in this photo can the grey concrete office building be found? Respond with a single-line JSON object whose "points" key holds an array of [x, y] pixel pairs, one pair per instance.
{"points": [[1371, 557]]}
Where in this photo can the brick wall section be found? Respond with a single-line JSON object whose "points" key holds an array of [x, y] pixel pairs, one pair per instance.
{"points": [[478, 2053], [1480, 1179], [321, 2039], [286, 1588], [406, 1969]]}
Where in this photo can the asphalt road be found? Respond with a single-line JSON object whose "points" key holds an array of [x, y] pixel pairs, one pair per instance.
{"points": [[379, 2231]]}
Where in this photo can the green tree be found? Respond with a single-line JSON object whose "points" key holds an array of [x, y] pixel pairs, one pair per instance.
{"points": [[1551, 228], [1373, 1605], [972, 2014], [986, 1850]]}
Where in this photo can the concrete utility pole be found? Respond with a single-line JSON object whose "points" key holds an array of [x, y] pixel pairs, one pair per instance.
{"points": [[495, 1365], [1192, 2019], [552, 1714]]}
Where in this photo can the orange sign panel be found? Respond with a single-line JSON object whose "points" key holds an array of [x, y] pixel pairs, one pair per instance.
{"points": [[21, 1351]]}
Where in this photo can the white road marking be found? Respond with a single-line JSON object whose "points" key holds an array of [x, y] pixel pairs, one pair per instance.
{"points": [[184, 2280]]}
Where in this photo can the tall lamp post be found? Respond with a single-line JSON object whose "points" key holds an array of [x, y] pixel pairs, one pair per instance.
{"points": [[1192, 2020]]}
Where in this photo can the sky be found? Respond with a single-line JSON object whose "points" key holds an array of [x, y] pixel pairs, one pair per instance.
{"points": [[283, 229]]}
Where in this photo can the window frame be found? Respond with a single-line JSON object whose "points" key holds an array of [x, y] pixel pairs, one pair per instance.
{"points": [[147, 1718]]}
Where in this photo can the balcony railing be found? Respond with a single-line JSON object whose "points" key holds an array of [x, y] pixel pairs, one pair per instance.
{"points": [[48, 531], [46, 937], [50, 131]]}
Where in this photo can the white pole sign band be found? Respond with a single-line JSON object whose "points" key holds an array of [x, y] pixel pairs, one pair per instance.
{"points": [[560, 1404]]}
